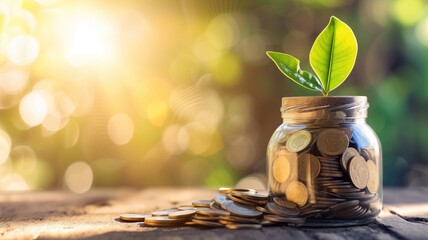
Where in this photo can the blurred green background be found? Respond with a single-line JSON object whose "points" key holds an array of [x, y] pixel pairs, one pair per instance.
{"points": [[103, 93]]}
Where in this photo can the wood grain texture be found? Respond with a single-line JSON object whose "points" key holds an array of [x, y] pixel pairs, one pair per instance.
{"points": [[56, 215]]}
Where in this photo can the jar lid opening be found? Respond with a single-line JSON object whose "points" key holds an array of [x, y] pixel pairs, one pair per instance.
{"points": [[340, 107]]}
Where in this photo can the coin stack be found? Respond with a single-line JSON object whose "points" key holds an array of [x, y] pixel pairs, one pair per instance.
{"points": [[329, 173], [231, 208]]}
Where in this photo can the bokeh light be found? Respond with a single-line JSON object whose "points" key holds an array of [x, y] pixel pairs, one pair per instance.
{"points": [[5, 146], [33, 109], [120, 128], [79, 177], [23, 50], [13, 81]]}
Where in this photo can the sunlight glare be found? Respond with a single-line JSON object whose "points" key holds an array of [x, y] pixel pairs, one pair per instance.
{"points": [[79, 177], [33, 109], [89, 41]]}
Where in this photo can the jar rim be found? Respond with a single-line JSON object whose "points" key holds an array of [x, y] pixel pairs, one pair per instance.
{"points": [[324, 107]]}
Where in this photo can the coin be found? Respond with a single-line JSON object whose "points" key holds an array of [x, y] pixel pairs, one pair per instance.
{"points": [[344, 205], [310, 212], [348, 132], [182, 208], [281, 168], [309, 166], [367, 153], [182, 214], [331, 174], [369, 201], [346, 213], [206, 218], [201, 203], [239, 219], [243, 226], [329, 165], [262, 209], [242, 201], [278, 189], [298, 141], [282, 211], [219, 198], [296, 192], [359, 172], [250, 196], [347, 157], [212, 212], [164, 212], [284, 203], [132, 217], [373, 182], [344, 190], [214, 205], [226, 190], [241, 210], [207, 223], [163, 221], [332, 142]]}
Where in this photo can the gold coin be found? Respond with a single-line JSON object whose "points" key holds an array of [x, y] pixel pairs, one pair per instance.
{"points": [[236, 219], [206, 218], [332, 142], [163, 221], [187, 207], [284, 203], [242, 201], [250, 196], [373, 183], [347, 157], [131, 217], [201, 203], [359, 172], [309, 166], [281, 211], [212, 212], [226, 190], [298, 141], [297, 192], [182, 214], [164, 212], [281, 168], [348, 132]]}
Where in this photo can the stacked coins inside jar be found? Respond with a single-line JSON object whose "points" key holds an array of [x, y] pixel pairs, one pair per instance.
{"points": [[325, 163]]}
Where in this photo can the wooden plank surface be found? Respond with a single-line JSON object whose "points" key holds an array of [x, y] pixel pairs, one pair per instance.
{"points": [[56, 215]]}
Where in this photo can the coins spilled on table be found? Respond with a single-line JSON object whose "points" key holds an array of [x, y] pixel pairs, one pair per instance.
{"points": [[316, 174]]}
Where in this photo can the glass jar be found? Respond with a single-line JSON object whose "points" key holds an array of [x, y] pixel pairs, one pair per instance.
{"points": [[324, 162]]}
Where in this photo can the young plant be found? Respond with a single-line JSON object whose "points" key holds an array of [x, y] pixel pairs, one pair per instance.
{"points": [[332, 57]]}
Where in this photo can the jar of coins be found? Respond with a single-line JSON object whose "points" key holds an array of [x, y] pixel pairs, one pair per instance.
{"points": [[324, 162]]}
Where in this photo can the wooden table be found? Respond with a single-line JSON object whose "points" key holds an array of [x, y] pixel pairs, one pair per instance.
{"points": [[57, 215]]}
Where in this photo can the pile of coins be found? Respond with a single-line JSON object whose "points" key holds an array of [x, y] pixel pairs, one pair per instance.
{"points": [[315, 175], [230, 208], [329, 173]]}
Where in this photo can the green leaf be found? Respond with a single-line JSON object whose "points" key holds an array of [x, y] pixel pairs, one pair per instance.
{"points": [[333, 54], [290, 67]]}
